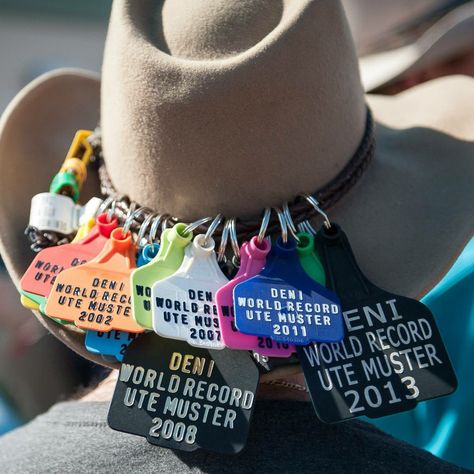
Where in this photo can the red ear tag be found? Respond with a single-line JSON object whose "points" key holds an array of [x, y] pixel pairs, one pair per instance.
{"points": [[41, 275], [96, 295]]}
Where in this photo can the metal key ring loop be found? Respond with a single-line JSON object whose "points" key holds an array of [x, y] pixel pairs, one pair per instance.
{"points": [[133, 215], [283, 225], [289, 222], [104, 205], [314, 202], [154, 227], [263, 227], [194, 225], [223, 245], [144, 226], [234, 242], [111, 212], [212, 228], [306, 226], [164, 222], [128, 218]]}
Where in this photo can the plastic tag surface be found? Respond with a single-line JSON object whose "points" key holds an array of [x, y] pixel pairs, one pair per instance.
{"points": [[309, 259], [252, 260], [168, 260], [392, 355], [96, 295], [112, 343], [184, 305], [183, 397], [285, 304], [53, 212], [40, 276], [147, 254], [83, 230]]}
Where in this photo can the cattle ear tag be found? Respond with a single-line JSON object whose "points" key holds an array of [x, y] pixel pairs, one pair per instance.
{"points": [[41, 275], [183, 397], [168, 260], [84, 230], [147, 253], [96, 295], [252, 260], [285, 304], [309, 259], [184, 305], [392, 356], [113, 343]]}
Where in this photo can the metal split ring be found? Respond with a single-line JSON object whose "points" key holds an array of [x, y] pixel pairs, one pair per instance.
{"points": [[143, 227], [133, 215], [289, 222], [234, 241], [314, 202], [212, 228], [306, 226], [263, 227], [223, 245], [154, 227], [194, 225], [283, 224], [104, 205]]}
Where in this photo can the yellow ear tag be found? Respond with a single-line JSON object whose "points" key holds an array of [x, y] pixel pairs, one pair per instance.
{"points": [[30, 304], [84, 230]]}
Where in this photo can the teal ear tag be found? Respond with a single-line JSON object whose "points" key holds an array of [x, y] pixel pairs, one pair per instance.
{"points": [[147, 254]]}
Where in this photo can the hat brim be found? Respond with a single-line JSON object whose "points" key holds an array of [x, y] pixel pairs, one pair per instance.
{"points": [[408, 218], [451, 35]]}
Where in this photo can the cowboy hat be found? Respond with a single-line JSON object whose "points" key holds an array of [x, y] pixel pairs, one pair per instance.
{"points": [[376, 24], [215, 106]]}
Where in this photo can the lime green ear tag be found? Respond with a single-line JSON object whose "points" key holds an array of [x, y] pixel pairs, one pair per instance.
{"points": [[167, 262], [309, 258]]}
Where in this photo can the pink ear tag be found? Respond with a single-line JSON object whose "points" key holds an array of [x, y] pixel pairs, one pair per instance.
{"points": [[253, 258], [183, 304]]}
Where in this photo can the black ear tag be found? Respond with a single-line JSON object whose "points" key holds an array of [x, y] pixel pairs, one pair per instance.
{"points": [[183, 397], [392, 355]]}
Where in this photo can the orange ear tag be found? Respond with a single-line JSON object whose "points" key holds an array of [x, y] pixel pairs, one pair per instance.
{"points": [[41, 275], [96, 295]]}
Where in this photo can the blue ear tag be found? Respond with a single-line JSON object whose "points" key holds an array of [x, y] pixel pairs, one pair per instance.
{"points": [[113, 343], [147, 254], [285, 304]]}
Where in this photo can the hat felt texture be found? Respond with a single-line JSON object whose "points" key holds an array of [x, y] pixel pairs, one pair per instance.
{"points": [[197, 120]]}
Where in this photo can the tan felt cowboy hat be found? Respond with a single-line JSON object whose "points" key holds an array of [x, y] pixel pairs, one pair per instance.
{"points": [[396, 37], [221, 106]]}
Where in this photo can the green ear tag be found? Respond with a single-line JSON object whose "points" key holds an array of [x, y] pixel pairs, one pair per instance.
{"points": [[167, 262], [309, 258], [65, 182], [37, 303]]}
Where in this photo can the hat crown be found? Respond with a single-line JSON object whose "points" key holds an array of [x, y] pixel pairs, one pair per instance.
{"points": [[210, 29], [197, 100]]}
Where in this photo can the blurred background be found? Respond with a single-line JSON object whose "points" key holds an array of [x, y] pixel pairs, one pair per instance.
{"points": [[37, 36], [400, 43]]}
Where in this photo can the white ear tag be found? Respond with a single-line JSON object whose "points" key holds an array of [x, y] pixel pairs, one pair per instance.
{"points": [[184, 305]]}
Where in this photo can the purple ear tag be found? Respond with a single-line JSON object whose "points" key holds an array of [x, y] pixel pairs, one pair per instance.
{"points": [[285, 304], [253, 258]]}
